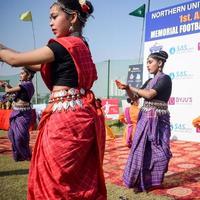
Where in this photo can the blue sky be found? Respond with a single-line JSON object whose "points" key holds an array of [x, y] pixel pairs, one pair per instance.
{"points": [[112, 34]]}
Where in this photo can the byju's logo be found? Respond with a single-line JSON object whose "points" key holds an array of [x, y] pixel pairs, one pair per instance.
{"points": [[199, 46], [180, 101], [184, 100], [171, 101], [179, 49]]}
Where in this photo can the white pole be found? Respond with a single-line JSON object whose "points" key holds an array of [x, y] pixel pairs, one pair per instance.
{"points": [[140, 54], [148, 7]]}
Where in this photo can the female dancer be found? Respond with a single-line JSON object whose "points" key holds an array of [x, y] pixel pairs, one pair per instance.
{"points": [[21, 115], [150, 152], [68, 154]]}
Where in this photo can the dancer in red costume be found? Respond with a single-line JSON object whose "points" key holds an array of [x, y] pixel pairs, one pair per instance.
{"points": [[68, 154]]}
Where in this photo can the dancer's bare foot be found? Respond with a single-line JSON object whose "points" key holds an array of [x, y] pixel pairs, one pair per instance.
{"points": [[155, 187], [137, 190]]}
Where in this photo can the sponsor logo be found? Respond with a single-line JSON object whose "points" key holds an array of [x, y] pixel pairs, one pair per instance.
{"points": [[180, 127], [171, 101], [199, 46], [198, 130], [180, 101], [110, 108], [179, 75], [156, 48], [172, 50], [180, 49]]}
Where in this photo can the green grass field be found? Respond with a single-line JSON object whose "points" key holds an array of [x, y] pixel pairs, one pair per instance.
{"points": [[13, 182]]}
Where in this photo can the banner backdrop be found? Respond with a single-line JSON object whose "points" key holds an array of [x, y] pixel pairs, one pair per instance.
{"points": [[176, 30], [110, 108]]}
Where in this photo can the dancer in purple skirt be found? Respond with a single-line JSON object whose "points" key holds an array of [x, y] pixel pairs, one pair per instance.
{"points": [[21, 115], [150, 153]]}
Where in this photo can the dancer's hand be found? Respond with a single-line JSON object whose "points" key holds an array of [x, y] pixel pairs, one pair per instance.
{"points": [[121, 86], [6, 89]]}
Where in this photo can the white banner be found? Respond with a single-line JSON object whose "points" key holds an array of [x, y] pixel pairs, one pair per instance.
{"points": [[177, 30]]}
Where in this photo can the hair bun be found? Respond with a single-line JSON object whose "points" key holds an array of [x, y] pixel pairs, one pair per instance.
{"points": [[164, 54], [91, 8], [86, 6]]}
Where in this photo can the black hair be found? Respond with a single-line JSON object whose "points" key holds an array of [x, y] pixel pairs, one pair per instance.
{"points": [[30, 72], [98, 103], [76, 6], [161, 55], [129, 100], [98, 99]]}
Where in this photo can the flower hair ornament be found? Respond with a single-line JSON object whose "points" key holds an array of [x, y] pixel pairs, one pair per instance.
{"points": [[84, 6]]}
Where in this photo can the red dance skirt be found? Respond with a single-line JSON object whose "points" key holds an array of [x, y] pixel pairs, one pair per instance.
{"points": [[68, 156]]}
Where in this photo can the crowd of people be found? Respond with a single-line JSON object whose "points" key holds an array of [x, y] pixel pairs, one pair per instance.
{"points": [[67, 160]]}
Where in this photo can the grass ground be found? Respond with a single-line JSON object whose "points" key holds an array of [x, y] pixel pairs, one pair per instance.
{"points": [[13, 182], [13, 179]]}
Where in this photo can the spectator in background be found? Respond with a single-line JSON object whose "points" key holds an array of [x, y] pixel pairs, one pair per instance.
{"points": [[196, 122], [109, 132], [131, 116]]}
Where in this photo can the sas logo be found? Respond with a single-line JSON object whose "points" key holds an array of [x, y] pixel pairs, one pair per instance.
{"points": [[180, 75], [180, 49], [180, 101], [180, 127]]}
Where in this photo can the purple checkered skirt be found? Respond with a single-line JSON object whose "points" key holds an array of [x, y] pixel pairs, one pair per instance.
{"points": [[150, 152], [19, 134]]}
